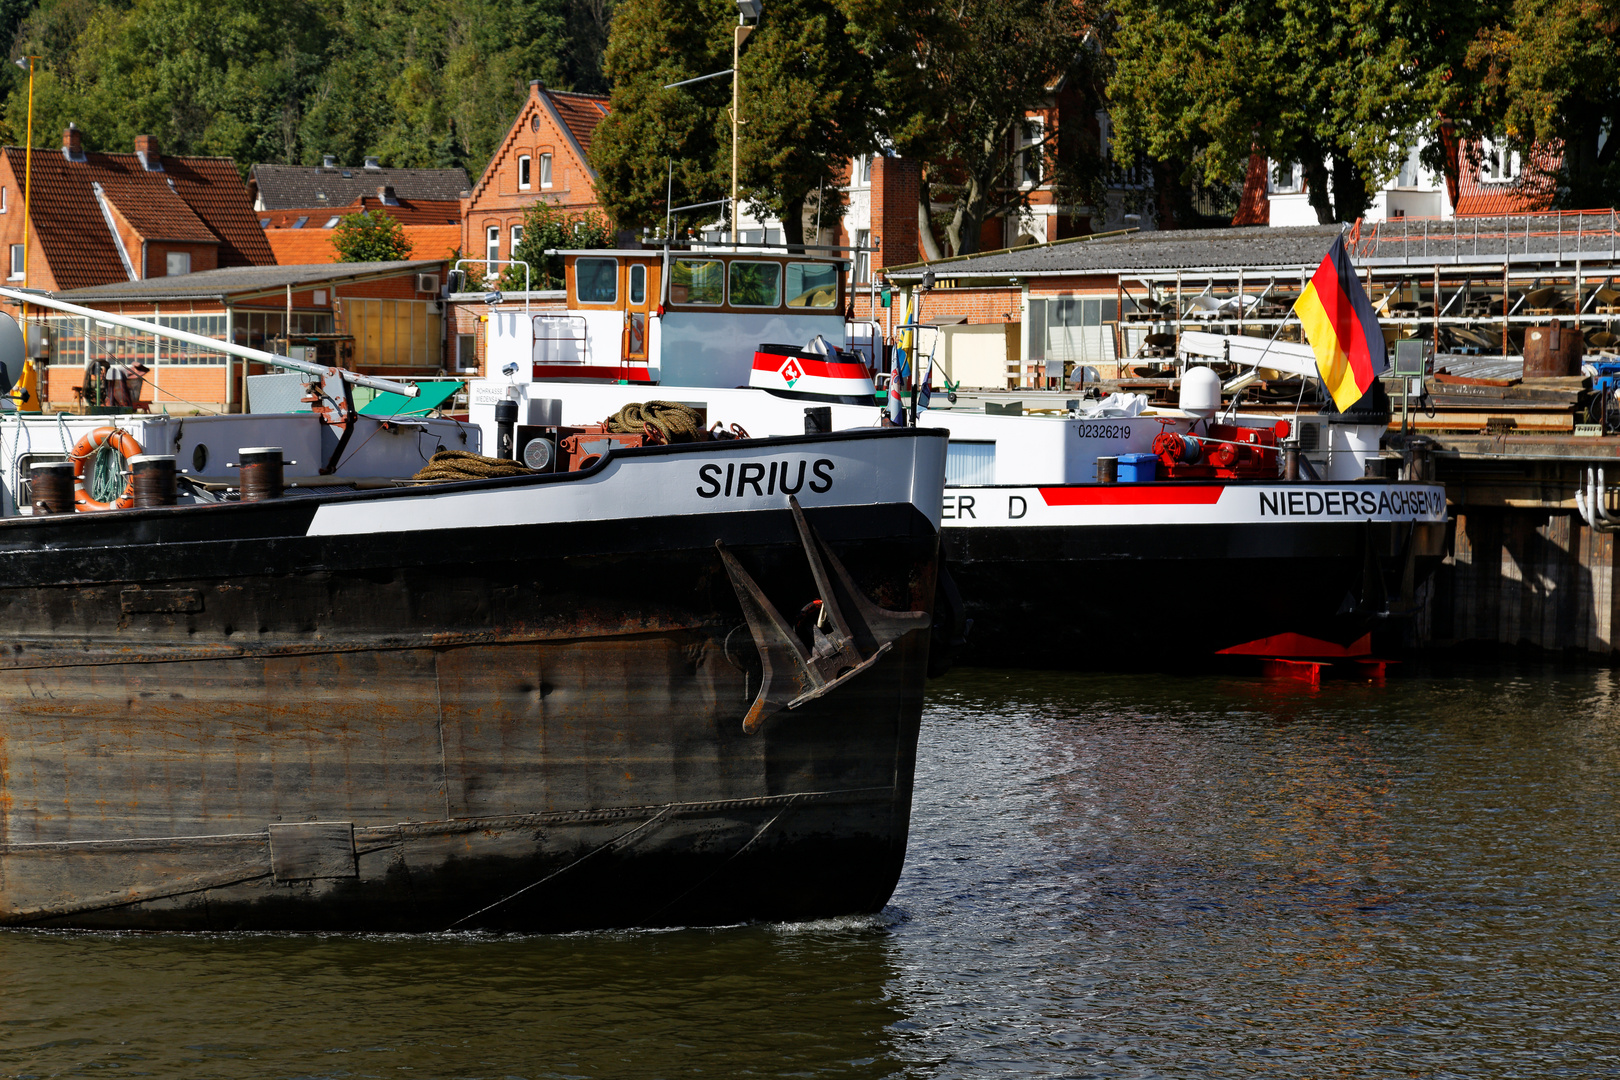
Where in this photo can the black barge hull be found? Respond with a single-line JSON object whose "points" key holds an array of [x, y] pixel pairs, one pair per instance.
{"points": [[1069, 581], [217, 719]]}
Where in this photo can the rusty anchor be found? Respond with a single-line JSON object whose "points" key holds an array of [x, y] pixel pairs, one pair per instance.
{"points": [[849, 634]]}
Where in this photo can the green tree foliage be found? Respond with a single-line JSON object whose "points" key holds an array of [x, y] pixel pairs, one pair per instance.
{"points": [[549, 228], [960, 83], [650, 130], [425, 83], [1341, 86], [370, 236], [808, 105], [1550, 74]]}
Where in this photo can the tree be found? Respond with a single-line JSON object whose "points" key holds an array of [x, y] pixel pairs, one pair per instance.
{"points": [[653, 139], [548, 228], [1343, 87], [1548, 73], [962, 83], [807, 101], [370, 236]]}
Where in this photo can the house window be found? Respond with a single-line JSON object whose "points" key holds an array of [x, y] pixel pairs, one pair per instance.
{"points": [[863, 258], [1411, 170], [331, 222], [863, 170], [492, 247], [466, 352], [177, 262], [1499, 164], [3, 204], [1032, 149], [523, 172], [517, 238], [545, 170], [1287, 179], [16, 260]]}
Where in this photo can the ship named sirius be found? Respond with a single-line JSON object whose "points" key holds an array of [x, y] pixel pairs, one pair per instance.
{"points": [[679, 685]]}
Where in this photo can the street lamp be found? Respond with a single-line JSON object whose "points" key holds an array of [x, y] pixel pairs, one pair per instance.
{"points": [[27, 62], [746, 9]]}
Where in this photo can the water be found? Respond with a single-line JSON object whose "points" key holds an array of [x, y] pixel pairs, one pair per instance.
{"points": [[1110, 876]]}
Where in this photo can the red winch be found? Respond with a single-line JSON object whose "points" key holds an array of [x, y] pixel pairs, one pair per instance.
{"points": [[1223, 451]]}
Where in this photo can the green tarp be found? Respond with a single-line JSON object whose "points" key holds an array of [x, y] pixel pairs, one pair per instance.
{"points": [[432, 395]]}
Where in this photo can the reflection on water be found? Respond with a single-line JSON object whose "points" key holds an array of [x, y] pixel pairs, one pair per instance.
{"points": [[1110, 876]]}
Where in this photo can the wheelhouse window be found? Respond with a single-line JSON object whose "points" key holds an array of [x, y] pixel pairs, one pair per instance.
{"points": [[596, 281], [812, 285], [756, 284], [638, 283], [523, 172], [697, 281]]}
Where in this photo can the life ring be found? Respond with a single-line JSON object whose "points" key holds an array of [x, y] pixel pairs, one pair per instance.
{"points": [[125, 444]]}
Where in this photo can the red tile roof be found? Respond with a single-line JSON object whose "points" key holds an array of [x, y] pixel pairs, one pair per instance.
{"points": [[579, 112], [306, 246], [407, 212], [1531, 191], [196, 200]]}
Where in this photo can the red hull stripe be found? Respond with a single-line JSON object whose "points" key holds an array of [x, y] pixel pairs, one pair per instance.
{"points": [[608, 372], [773, 362], [1134, 495]]}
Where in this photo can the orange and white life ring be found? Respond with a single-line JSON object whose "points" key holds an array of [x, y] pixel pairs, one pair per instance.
{"points": [[125, 444]]}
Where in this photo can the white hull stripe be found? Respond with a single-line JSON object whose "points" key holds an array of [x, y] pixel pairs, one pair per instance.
{"points": [[1174, 504], [844, 472]]}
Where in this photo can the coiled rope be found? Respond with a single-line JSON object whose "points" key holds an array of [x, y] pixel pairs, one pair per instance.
{"points": [[448, 466], [672, 420]]}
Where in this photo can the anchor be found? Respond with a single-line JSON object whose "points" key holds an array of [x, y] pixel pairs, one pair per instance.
{"points": [[849, 635]]}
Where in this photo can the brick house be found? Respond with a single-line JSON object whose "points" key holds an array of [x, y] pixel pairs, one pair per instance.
{"points": [[543, 157], [98, 218]]}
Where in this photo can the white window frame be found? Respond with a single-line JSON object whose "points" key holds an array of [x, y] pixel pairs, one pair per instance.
{"points": [[171, 258], [1497, 163], [523, 173], [517, 238], [863, 259], [1411, 173], [863, 170], [1031, 141], [17, 261], [545, 170], [4, 205], [492, 248]]}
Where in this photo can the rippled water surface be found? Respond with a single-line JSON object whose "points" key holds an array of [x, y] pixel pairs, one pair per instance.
{"points": [[1110, 876]]}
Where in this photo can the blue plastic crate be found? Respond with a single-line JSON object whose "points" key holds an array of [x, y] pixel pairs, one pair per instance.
{"points": [[1137, 468]]}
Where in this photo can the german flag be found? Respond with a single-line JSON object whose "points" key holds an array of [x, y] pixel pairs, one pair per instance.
{"points": [[1342, 329]]}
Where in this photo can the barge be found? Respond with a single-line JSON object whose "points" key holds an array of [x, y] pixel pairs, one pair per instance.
{"points": [[559, 701], [1055, 566]]}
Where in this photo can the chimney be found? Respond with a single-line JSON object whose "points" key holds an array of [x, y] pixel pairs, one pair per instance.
{"points": [[151, 155], [371, 163], [328, 161], [72, 145], [385, 195]]}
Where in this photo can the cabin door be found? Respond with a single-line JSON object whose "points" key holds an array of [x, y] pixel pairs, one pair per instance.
{"points": [[636, 296]]}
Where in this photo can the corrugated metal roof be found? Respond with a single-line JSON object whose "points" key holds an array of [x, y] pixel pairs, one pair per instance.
{"points": [[242, 279], [1260, 246]]}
